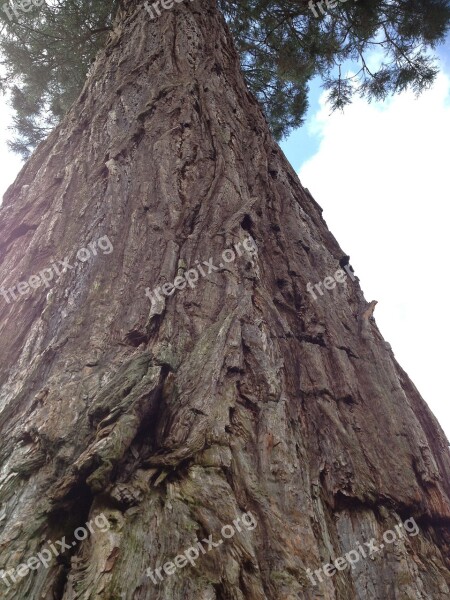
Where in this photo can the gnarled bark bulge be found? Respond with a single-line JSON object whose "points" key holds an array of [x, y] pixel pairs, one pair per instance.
{"points": [[239, 394]]}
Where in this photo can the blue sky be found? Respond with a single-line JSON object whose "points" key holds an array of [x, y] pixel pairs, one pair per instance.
{"points": [[302, 144]]}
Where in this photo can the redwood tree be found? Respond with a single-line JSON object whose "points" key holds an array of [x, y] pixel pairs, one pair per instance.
{"points": [[238, 393]]}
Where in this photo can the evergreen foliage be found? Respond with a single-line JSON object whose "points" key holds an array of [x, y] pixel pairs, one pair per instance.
{"points": [[46, 53]]}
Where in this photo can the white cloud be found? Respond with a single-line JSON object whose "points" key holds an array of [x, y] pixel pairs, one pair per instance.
{"points": [[10, 163], [382, 176]]}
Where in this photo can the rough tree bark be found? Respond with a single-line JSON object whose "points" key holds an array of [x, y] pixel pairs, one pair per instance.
{"points": [[240, 394]]}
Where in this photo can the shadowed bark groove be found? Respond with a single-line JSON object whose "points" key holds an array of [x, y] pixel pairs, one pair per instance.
{"points": [[240, 394]]}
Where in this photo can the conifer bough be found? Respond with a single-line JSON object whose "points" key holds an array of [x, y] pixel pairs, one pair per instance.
{"points": [[47, 52]]}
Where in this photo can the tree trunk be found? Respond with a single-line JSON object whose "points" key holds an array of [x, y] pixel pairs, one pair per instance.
{"points": [[240, 392]]}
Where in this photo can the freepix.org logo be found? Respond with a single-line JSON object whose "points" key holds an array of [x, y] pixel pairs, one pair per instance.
{"points": [[191, 276], [341, 563], [329, 5], [45, 557], [13, 7], [192, 554], [47, 275], [155, 9]]}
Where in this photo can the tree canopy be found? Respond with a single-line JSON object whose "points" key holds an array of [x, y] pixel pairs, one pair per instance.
{"points": [[46, 53]]}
